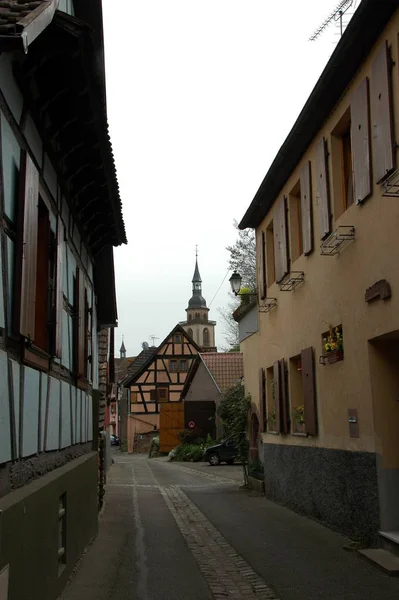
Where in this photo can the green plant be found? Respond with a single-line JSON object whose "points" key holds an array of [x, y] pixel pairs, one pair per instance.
{"points": [[271, 417], [255, 467], [298, 414]]}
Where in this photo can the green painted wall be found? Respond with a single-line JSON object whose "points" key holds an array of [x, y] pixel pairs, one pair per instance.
{"points": [[30, 523]]}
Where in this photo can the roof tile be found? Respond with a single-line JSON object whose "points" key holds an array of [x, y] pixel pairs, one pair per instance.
{"points": [[227, 368]]}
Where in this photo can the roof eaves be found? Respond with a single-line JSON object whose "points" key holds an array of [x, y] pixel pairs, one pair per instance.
{"points": [[353, 48]]}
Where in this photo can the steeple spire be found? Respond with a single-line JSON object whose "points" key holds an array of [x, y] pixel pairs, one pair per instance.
{"points": [[122, 349], [197, 301]]}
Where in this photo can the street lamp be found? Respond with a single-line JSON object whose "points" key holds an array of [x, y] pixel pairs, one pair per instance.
{"points": [[235, 282]]}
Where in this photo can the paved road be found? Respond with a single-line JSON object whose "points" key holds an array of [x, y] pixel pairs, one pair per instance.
{"points": [[178, 531]]}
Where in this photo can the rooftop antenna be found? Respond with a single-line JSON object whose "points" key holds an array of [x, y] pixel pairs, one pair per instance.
{"points": [[153, 338], [336, 15]]}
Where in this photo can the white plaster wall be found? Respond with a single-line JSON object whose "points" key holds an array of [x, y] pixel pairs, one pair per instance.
{"points": [[5, 435], [30, 412], [66, 415], [9, 86], [53, 415], [2, 308], [43, 408], [16, 371]]}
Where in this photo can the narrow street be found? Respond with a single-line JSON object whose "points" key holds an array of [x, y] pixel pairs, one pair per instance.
{"points": [[187, 532]]}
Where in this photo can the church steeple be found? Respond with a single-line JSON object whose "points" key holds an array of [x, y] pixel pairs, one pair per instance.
{"points": [[122, 350], [197, 301]]}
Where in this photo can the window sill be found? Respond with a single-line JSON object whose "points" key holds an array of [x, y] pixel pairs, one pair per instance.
{"points": [[298, 434], [273, 432], [36, 357], [83, 383]]}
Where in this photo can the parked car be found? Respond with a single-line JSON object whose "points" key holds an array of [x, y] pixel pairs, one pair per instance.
{"points": [[115, 441], [227, 451]]}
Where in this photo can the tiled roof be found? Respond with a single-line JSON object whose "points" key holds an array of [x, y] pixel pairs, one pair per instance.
{"points": [[227, 368], [13, 11], [122, 366]]}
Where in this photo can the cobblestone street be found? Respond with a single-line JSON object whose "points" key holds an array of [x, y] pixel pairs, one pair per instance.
{"points": [[173, 531]]}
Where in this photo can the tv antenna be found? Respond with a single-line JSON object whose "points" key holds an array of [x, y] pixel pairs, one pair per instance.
{"points": [[153, 338], [336, 15]]}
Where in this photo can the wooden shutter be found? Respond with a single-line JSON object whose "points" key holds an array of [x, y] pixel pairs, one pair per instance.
{"points": [[59, 299], [381, 102], [360, 137], [81, 324], [306, 208], [323, 192], [277, 392], [29, 248], [153, 395], [262, 264], [284, 412], [309, 391], [280, 239], [262, 400]]}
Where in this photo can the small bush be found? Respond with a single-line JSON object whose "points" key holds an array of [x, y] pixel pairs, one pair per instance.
{"points": [[192, 452]]}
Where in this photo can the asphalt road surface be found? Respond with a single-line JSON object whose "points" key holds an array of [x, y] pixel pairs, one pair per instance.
{"points": [[183, 531]]}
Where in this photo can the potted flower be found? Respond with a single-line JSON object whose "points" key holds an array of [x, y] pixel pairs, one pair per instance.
{"points": [[333, 346], [298, 416]]}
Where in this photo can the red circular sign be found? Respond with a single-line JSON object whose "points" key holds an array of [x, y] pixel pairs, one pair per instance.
{"points": [[191, 424]]}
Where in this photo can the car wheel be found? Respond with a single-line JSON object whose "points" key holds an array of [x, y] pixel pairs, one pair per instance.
{"points": [[214, 459], [230, 461]]}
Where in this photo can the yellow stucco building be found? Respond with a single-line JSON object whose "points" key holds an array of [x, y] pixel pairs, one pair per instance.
{"points": [[322, 367]]}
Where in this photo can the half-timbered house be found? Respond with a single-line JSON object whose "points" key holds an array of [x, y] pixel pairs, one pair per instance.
{"points": [[158, 377], [60, 216]]}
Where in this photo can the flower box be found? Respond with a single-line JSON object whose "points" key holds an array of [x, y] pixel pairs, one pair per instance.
{"points": [[334, 356]]}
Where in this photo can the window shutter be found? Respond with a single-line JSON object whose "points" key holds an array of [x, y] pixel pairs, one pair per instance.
{"points": [[153, 395], [360, 132], [81, 324], [306, 208], [309, 391], [262, 264], [381, 101], [277, 392], [280, 239], [262, 400], [29, 248], [284, 413], [323, 194], [59, 302]]}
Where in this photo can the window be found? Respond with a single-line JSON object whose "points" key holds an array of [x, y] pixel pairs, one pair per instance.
{"points": [[163, 394], [296, 395], [341, 157], [261, 250], [83, 328], [270, 401], [177, 338], [206, 337], [270, 269], [173, 365], [190, 317], [190, 332], [183, 365], [45, 282], [177, 365], [296, 221]]}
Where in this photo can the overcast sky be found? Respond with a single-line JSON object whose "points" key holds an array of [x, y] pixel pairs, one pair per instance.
{"points": [[201, 95]]}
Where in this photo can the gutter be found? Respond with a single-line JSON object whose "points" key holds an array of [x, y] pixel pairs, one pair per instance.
{"points": [[31, 26]]}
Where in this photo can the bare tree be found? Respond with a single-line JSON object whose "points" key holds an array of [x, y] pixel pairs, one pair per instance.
{"points": [[243, 256]]}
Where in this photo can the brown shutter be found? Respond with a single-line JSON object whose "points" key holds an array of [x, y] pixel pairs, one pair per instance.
{"points": [[153, 395], [81, 324], [262, 264], [280, 239], [381, 102], [360, 132], [262, 400], [277, 393], [29, 248], [284, 412], [323, 194], [59, 300], [309, 391], [306, 208]]}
